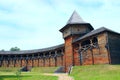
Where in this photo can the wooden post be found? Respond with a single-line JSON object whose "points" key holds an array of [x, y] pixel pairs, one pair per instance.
{"points": [[27, 60], [38, 59], [108, 49], [49, 59], [14, 60], [62, 57], [0, 60], [21, 60], [32, 60], [8, 60], [44, 59], [80, 54], [55, 58], [91, 51]]}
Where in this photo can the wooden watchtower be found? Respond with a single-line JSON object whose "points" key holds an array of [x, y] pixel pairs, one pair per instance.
{"points": [[74, 28]]}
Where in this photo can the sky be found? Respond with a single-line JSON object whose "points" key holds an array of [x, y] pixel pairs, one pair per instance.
{"points": [[35, 24]]}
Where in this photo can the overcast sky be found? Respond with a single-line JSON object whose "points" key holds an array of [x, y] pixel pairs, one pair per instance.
{"points": [[35, 24]]}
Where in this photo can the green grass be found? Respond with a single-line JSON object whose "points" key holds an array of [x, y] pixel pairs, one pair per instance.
{"points": [[8, 69], [28, 77], [96, 72], [44, 69], [35, 74]]}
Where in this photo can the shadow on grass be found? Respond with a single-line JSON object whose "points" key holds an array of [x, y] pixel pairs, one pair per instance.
{"points": [[10, 77]]}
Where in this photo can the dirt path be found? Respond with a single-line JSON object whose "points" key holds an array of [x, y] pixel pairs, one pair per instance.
{"points": [[61, 76]]}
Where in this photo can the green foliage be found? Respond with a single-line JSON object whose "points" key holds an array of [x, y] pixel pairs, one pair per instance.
{"points": [[96, 72], [18, 74], [15, 49], [2, 50]]}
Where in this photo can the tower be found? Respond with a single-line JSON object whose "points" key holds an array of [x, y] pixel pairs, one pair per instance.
{"points": [[74, 28]]}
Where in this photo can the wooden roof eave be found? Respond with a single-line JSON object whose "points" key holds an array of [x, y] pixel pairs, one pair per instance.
{"points": [[33, 51]]}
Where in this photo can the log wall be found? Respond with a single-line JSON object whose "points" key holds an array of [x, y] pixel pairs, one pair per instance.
{"points": [[114, 47], [35, 60], [93, 52]]}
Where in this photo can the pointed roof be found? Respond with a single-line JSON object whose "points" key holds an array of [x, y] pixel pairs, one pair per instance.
{"points": [[75, 19]]}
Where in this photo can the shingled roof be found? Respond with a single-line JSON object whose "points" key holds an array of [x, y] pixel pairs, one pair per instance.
{"points": [[75, 19], [33, 51], [94, 32]]}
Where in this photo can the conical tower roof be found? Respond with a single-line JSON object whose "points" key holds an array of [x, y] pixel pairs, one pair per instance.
{"points": [[75, 19]]}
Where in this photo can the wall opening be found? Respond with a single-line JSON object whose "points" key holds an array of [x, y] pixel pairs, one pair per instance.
{"points": [[86, 42], [94, 40]]}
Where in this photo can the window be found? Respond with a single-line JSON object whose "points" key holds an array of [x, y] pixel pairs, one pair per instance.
{"points": [[86, 42]]}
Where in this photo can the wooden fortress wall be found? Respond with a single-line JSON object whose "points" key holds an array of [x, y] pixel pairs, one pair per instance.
{"points": [[45, 59], [102, 48], [93, 51], [114, 47]]}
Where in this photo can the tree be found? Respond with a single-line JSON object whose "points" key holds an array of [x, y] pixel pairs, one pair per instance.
{"points": [[2, 50], [15, 49]]}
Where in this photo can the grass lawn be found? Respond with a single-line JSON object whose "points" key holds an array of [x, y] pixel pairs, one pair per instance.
{"points": [[35, 74], [28, 77], [96, 72]]}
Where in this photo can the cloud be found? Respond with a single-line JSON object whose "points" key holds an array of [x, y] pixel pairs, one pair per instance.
{"points": [[31, 24], [27, 25]]}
